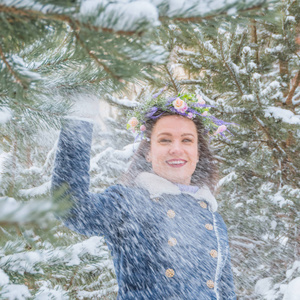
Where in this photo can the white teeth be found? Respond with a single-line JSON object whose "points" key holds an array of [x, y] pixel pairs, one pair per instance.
{"points": [[175, 162]]}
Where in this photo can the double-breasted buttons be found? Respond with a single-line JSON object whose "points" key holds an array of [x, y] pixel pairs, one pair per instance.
{"points": [[213, 253], [209, 227], [170, 273], [210, 284], [203, 204], [171, 213], [172, 242]]}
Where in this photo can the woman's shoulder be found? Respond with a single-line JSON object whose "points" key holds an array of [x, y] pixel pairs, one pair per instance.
{"points": [[128, 191]]}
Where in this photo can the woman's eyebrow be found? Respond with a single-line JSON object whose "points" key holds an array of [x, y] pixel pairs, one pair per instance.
{"points": [[185, 134], [170, 134], [164, 133]]}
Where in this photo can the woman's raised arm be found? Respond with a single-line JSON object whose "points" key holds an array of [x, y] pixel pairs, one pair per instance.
{"points": [[90, 214]]}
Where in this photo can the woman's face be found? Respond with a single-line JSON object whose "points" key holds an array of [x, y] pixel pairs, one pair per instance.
{"points": [[174, 149]]}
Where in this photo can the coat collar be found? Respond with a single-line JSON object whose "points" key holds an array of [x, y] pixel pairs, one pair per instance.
{"points": [[157, 186]]}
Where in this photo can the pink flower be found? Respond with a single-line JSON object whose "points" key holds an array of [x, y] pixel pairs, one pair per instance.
{"points": [[200, 99], [180, 105], [184, 108], [190, 115], [220, 129], [143, 128], [204, 114], [133, 122]]}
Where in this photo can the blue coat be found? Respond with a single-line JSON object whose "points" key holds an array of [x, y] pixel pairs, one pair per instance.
{"points": [[166, 244]]}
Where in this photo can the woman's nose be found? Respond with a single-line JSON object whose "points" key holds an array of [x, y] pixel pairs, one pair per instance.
{"points": [[176, 148]]}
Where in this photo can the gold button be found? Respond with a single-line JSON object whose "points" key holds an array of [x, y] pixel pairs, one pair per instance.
{"points": [[213, 253], [210, 284], [172, 242], [155, 199], [209, 227], [203, 204], [170, 273], [171, 213]]}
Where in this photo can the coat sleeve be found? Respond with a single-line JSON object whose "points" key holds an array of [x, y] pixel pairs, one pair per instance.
{"points": [[89, 214], [227, 291]]}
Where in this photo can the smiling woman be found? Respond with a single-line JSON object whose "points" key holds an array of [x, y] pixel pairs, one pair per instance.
{"points": [[161, 222]]}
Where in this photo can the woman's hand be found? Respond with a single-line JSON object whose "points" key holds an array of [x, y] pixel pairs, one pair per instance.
{"points": [[86, 107]]}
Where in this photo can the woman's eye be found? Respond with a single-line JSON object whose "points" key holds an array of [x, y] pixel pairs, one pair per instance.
{"points": [[187, 140], [164, 141]]}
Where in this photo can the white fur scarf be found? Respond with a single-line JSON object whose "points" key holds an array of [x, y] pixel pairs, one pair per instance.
{"points": [[157, 186]]}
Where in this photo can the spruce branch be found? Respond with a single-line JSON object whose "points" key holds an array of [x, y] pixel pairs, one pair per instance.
{"points": [[293, 89], [257, 97], [259, 140], [284, 73], [57, 51], [120, 103], [189, 82], [10, 69], [34, 14], [173, 81], [69, 285], [223, 142], [94, 81], [37, 15], [256, 242], [76, 31], [35, 109], [14, 149], [297, 104], [18, 230], [254, 40], [140, 94], [229, 69], [209, 17], [239, 47], [6, 137], [271, 143], [51, 64]]}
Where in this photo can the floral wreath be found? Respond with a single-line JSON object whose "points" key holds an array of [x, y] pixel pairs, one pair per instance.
{"points": [[188, 105]]}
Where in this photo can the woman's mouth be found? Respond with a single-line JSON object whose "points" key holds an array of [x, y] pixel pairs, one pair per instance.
{"points": [[176, 163]]}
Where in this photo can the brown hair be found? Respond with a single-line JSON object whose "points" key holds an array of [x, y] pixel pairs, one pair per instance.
{"points": [[206, 171]]}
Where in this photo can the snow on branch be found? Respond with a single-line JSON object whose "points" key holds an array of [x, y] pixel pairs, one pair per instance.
{"points": [[14, 212], [124, 103], [121, 15], [5, 115], [129, 16], [35, 191], [285, 115]]}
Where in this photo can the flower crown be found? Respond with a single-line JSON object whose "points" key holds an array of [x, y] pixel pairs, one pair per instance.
{"points": [[188, 105]]}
